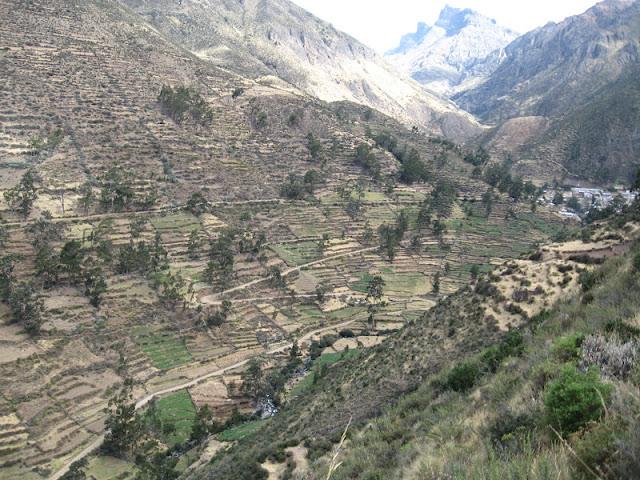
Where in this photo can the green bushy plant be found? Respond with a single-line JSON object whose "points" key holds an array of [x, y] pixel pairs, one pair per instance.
{"points": [[574, 399], [462, 377], [568, 348]]}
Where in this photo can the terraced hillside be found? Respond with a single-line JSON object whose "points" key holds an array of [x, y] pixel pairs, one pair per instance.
{"points": [[166, 221], [257, 39], [412, 409]]}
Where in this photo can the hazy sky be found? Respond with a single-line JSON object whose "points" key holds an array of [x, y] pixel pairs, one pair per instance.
{"points": [[381, 23]]}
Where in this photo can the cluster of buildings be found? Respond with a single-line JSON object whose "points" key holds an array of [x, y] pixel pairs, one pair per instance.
{"points": [[586, 199]]}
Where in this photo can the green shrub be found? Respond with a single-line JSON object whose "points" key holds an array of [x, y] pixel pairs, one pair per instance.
{"points": [[509, 430], [511, 345], [492, 358], [588, 279], [568, 348], [575, 399], [462, 377]]}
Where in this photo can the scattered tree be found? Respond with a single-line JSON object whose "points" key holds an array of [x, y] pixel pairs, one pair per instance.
{"points": [[478, 158], [443, 197], [123, 425], [558, 198], [76, 471], [488, 198], [367, 235], [220, 266], [204, 424], [4, 234], [87, 197], [71, 258], [219, 316], [95, 285], [47, 265], [375, 298], [474, 271], [294, 188], [171, 287], [7, 277], [365, 158], [436, 283], [184, 101], [194, 245], [116, 192], [22, 197], [321, 291], [26, 307], [516, 189], [276, 278], [155, 464], [197, 204], [635, 186], [413, 169], [159, 255], [314, 146], [574, 204]]}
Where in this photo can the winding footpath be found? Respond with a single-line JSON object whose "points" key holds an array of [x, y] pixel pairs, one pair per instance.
{"points": [[213, 299], [95, 445], [210, 300]]}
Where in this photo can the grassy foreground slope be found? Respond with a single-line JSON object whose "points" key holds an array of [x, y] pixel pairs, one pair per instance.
{"points": [[566, 408], [454, 395]]}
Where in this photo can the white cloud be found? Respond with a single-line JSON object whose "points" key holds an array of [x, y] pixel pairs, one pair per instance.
{"points": [[381, 23]]}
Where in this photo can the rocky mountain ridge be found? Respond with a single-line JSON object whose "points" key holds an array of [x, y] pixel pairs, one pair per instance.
{"points": [[257, 38], [449, 56], [570, 89]]}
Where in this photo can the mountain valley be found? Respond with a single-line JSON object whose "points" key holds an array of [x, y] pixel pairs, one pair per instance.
{"points": [[237, 243]]}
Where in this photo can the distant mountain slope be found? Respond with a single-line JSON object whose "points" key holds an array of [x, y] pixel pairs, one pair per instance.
{"points": [[95, 71], [450, 53], [544, 71], [257, 38], [579, 77]]}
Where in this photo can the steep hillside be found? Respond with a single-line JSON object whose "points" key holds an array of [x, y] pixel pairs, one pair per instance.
{"points": [[167, 221], [450, 55], [257, 38], [81, 95], [544, 71], [563, 404], [571, 79], [478, 366]]}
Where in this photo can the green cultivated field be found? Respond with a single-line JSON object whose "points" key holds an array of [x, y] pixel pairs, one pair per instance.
{"points": [[327, 359], [165, 350], [297, 253], [178, 411], [236, 433]]}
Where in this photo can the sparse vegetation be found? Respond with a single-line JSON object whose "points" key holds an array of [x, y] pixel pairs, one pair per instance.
{"points": [[23, 195], [263, 252], [182, 103]]}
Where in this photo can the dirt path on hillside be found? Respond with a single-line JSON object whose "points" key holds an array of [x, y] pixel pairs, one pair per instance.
{"points": [[167, 208], [93, 446], [211, 299], [170, 208]]}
